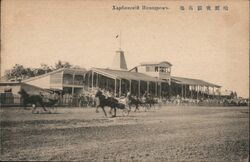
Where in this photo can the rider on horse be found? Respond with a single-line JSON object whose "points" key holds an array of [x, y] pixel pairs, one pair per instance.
{"points": [[128, 98]]}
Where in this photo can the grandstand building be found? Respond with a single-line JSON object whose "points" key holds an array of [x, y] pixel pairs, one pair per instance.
{"points": [[68, 80], [154, 78]]}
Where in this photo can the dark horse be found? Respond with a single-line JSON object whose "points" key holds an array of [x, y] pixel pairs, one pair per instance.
{"points": [[150, 101], [134, 101], [110, 102], [36, 100]]}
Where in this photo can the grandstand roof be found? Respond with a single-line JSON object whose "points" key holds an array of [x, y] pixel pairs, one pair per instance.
{"points": [[156, 63], [190, 81], [121, 74], [66, 70], [118, 74]]}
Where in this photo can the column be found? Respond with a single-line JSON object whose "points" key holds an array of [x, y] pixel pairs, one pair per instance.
{"points": [[97, 85], [197, 92], [181, 90], [130, 86], [88, 81], [185, 91], [170, 90], [83, 82], [120, 88], [72, 91], [147, 87], [213, 93], [92, 81], [219, 93], [191, 88], [203, 91], [139, 88], [73, 78], [115, 88], [156, 86], [73, 84], [160, 90]]}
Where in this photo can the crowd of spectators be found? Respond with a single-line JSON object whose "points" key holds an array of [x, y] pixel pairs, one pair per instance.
{"points": [[210, 101], [88, 99]]}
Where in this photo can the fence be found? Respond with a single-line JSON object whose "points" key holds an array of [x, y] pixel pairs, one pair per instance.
{"points": [[205, 102], [8, 100]]}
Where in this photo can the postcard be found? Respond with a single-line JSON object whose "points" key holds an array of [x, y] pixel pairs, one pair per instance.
{"points": [[124, 80]]}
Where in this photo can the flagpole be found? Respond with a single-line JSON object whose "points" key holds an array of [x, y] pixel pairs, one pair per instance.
{"points": [[120, 40]]}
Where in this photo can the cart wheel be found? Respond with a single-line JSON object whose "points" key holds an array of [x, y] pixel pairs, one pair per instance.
{"points": [[125, 112]]}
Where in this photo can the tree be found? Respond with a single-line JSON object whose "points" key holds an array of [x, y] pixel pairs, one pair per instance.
{"points": [[18, 72], [8, 74], [30, 72], [61, 64], [46, 68]]}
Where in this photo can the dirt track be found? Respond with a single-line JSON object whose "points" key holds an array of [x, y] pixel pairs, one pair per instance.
{"points": [[166, 134]]}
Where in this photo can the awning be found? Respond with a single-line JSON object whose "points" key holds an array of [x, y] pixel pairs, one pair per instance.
{"points": [[189, 81], [120, 74]]}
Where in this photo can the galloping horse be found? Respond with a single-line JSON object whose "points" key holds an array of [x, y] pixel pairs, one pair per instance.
{"points": [[147, 102], [150, 101], [134, 101], [110, 102], [103, 101], [36, 100]]}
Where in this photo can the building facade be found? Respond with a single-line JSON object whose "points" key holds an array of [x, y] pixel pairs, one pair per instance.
{"points": [[153, 78], [161, 70], [67, 80]]}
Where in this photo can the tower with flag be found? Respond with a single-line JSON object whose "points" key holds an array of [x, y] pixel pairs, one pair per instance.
{"points": [[119, 62]]}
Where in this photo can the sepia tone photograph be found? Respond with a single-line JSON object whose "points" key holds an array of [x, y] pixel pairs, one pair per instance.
{"points": [[124, 80]]}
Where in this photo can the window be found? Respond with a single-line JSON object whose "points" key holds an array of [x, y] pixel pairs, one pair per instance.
{"points": [[162, 69], [168, 70], [156, 69]]}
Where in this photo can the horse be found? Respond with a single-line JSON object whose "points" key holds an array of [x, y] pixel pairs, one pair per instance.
{"points": [[151, 102], [36, 100], [148, 102], [50, 103], [134, 101], [110, 102], [103, 101]]}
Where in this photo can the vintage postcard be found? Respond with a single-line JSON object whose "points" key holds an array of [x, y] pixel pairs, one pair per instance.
{"points": [[124, 80]]}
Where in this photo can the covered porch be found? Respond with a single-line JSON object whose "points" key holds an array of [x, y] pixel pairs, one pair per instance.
{"points": [[120, 82], [193, 88]]}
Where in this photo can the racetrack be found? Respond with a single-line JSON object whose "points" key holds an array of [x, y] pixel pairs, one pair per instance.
{"points": [[165, 134]]}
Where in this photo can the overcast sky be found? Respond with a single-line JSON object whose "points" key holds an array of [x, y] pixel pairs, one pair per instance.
{"points": [[209, 45]]}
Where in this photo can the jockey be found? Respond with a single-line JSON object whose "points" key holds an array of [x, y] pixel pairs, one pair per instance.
{"points": [[41, 94], [128, 98], [128, 94], [145, 95], [109, 94], [106, 94]]}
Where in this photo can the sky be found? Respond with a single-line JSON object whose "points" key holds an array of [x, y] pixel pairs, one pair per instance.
{"points": [[208, 45]]}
